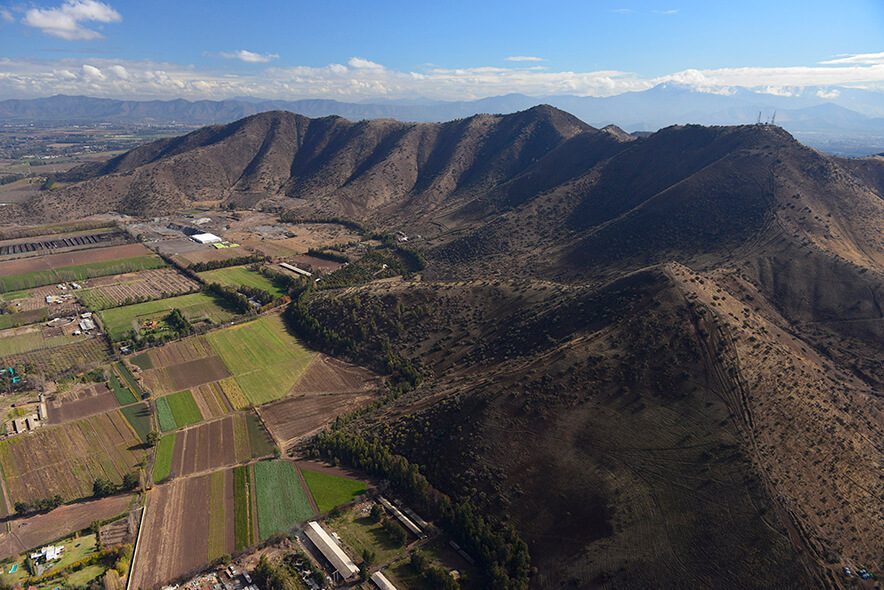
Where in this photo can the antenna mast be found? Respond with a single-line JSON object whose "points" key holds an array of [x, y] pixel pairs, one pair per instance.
{"points": [[773, 120]]}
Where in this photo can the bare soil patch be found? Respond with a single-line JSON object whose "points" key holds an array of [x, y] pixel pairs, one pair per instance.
{"points": [[330, 375], [188, 374], [295, 417], [14, 267], [80, 403]]}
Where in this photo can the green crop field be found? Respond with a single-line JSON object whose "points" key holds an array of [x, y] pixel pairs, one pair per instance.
{"points": [[265, 359], [241, 276], [217, 516], [123, 394], [330, 490], [242, 501], [177, 411], [195, 307], [259, 439], [124, 372], [79, 272], [162, 466], [282, 502], [139, 417]]}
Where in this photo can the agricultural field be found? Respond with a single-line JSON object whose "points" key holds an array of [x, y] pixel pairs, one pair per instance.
{"points": [[187, 522], [80, 402], [177, 411], [233, 439], [232, 368], [80, 265], [79, 356], [138, 417], [118, 322], [237, 276], [162, 466], [293, 418], [264, 358], [282, 501], [332, 490], [29, 338], [23, 318], [22, 534], [127, 289], [66, 459]]}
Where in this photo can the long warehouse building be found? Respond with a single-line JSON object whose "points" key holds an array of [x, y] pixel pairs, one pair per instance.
{"points": [[381, 581], [345, 569]]}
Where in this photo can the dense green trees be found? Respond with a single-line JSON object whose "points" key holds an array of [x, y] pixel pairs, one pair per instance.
{"points": [[497, 546]]}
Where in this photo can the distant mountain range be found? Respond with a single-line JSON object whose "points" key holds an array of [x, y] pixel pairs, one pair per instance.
{"points": [[844, 120]]}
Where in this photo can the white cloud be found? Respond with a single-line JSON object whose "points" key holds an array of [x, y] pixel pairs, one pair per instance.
{"points": [[857, 58], [523, 58], [362, 79], [623, 11], [250, 56], [364, 64], [829, 94], [65, 21], [6, 15], [670, 12]]}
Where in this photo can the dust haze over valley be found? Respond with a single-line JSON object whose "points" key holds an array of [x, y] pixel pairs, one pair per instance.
{"points": [[502, 349]]}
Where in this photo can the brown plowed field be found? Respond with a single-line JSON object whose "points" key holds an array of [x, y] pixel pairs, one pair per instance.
{"points": [[22, 534], [80, 403], [14, 267], [181, 351], [67, 458], [329, 375], [295, 417], [175, 539], [211, 445], [79, 356], [171, 379]]}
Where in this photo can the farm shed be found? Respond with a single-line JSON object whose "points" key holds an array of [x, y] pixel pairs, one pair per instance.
{"points": [[381, 581], [406, 522], [295, 269], [205, 238], [344, 566]]}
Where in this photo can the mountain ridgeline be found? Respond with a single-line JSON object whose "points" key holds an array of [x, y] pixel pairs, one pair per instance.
{"points": [[658, 357]]}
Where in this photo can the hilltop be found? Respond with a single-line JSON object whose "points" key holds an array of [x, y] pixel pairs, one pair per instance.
{"points": [[658, 356]]}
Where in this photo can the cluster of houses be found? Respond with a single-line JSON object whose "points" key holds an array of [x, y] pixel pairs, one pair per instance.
{"points": [[28, 422], [84, 324]]}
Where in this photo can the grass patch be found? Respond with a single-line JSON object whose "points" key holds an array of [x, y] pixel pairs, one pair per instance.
{"points": [[259, 439], [139, 417], [142, 361], [183, 408], [196, 307], [241, 276], [282, 502], [242, 512], [162, 466], [14, 320], [32, 340], [331, 490], [123, 394], [124, 371], [164, 415], [360, 533], [263, 357], [79, 272]]}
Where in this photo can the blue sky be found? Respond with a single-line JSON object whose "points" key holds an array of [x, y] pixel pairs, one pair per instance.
{"points": [[451, 49]]}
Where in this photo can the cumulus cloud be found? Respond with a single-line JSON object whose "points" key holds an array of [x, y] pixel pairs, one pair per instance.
{"points": [[66, 21], [523, 58], [250, 56], [362, 79], [828, 94], [857, 58]]}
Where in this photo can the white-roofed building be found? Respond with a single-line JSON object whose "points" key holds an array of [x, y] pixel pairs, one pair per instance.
{"points": [[381, 581], [345, 569], [206, 239]]}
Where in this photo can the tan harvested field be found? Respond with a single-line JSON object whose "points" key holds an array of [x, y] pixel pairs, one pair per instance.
{"points": [[22, 534], [67, 458], [20, 190], [211, 400], [319, 263], [295, 417], [209, 254], [329, 375], [52, 261], [175, 537], [118, 290], [180, 351], [79, 403], [178, 377]]}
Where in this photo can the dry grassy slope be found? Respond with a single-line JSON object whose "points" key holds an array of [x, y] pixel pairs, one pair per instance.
{"points": [[657, 429], [337, 166]]}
